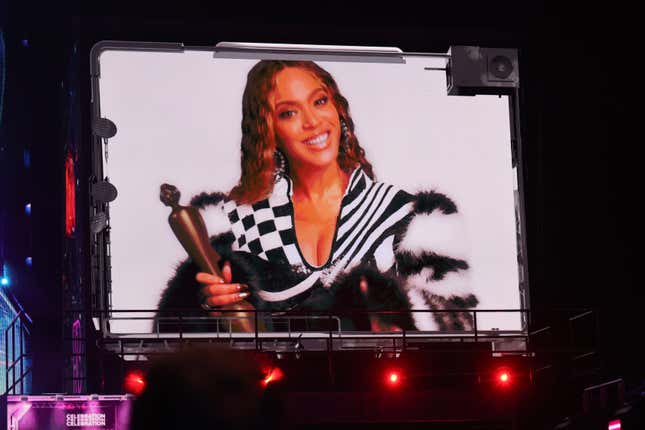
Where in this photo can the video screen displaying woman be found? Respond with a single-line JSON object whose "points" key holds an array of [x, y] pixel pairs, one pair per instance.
{"points": [[296, 206]]}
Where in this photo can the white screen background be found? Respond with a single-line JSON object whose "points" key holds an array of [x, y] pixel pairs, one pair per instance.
{"points": [[178, 117]]}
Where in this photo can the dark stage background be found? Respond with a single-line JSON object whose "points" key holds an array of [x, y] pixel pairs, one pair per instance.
{"points": [[582, 165]]}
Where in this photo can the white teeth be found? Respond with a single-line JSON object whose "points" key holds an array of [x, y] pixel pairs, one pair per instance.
{"points": [[317, 140]]}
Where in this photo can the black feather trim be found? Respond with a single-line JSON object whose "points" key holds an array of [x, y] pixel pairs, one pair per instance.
{"points": [[384, 293], [411, 264], [451, 319], [207, 199], [425, 202], [463, 302], [428, 201]]}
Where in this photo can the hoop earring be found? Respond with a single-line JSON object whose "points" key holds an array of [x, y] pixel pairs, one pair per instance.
{"points": [[280, 165], [344, 135]]}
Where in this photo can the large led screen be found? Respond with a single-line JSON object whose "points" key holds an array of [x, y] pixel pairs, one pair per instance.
{"points": [[324, 186]]}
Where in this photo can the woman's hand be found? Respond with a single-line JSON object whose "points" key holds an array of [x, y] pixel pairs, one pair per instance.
{"points": [[218, 291]]}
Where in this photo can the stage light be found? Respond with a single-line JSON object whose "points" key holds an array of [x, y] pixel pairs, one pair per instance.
{"points": [[134, 383], [5, 280], [103, 127], [503, 376], [29, 261], [104, 192], [28, 209], [393, 378], [501, 67], [273, 375], [614, 425]]}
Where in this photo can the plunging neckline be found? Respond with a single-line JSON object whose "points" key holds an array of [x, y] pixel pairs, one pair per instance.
{"points": [[337, 223]]}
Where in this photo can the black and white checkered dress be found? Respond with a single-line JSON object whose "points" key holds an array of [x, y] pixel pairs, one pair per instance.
{"points": [[368, 215]]}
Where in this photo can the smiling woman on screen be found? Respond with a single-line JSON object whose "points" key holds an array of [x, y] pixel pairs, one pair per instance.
{"points": [[308, 228]]}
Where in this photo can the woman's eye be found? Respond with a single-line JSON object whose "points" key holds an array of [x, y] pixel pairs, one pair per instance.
{"points": [[321, 101], [286, 114]]}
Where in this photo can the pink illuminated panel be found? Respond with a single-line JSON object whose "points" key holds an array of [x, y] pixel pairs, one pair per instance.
{"points": [[68, 412]]}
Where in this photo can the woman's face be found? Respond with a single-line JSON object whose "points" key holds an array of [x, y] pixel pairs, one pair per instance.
{"points": [[306, 121]]}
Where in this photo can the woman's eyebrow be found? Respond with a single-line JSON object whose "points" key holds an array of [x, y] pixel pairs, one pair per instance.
{"points": [[309, 97]]}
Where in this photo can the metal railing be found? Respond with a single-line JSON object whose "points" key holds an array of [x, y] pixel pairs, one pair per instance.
{"points": [[291, 335], [17, 353], [288, 333], [179, 324]]}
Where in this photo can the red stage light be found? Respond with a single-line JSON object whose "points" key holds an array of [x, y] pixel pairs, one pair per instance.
{"points": [[393, 378], [134, 382], [614, 425], [275, 374], [503, 376]]}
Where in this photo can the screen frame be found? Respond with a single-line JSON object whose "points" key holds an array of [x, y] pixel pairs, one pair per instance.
{"points": [[99, 243]]}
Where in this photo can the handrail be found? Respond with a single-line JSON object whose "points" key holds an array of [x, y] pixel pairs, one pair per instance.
{"points": [[188, 325], [182, 322], [167, 315], [181, 326], [22, 321]]}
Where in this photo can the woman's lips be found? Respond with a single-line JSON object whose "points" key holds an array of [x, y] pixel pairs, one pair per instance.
{"points": [[318, 141]]}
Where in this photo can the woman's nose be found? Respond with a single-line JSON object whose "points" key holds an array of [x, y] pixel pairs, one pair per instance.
{"points": [[310, 119]]}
